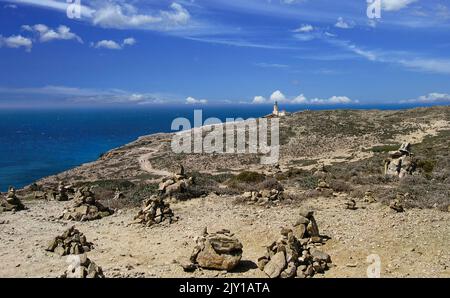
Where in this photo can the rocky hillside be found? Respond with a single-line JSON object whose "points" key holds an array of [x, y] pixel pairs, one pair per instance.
{"points": [[350, 186]]}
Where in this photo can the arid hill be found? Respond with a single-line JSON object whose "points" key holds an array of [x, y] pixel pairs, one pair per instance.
{"points": [[332, 162]]}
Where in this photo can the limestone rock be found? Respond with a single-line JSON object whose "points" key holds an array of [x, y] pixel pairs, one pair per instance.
{"points": [[276, 265], [220, 250], [401, 162]]}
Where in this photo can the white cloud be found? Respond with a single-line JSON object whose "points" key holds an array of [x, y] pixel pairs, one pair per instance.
{"points": [[259, 100], [304, 29], [394, 5], [47, 34], [107, 44], [16, 41], [129, 41], [191, 100], [11, 6], [430, 98], [118, 15], [341, 23], [113, 45], [302, 99], [278, 96]]}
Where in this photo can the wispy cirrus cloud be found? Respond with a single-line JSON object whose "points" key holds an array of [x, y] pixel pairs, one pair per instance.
{"points": [[406, 59], [68, 95], [433, 97]]}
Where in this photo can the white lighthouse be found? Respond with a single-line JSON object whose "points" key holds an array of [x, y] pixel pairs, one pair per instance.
{"points": [[276, 111]]}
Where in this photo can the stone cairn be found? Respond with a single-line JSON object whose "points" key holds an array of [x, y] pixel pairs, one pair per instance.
{"points": [[62, 193], [264, 197], [71, 242], [295, 254], [155, 211], [83, 267], [369, 197], [178, 183], [85, 207], [219, 251], [322, 185], [12, 202], [401, 162], [350, 204]]}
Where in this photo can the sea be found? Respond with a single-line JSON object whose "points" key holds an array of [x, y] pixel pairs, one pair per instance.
{"points": [[38, 142]]}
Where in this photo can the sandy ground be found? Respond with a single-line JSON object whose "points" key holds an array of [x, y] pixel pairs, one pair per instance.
{"points": [[410, 244]]}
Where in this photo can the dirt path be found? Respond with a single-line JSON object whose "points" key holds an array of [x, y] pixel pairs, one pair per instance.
{"points": [[410, 244], [146, 165]]}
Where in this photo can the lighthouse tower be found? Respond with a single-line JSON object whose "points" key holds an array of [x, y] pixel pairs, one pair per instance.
{"points": [[276, 111]]}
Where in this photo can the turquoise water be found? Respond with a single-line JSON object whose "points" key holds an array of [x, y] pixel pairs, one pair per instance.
{"points": [[35, 143]]}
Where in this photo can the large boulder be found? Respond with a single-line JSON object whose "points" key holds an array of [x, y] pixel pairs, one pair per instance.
{"points": [[220, 251]]}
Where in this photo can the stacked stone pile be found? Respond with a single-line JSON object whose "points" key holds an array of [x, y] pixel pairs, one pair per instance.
{"points": [[82, 267], [85, 207], [62, 193], [155, 211], [264, 197], [322, 185], [178, 183], [220, 251], [11, 202], [401, 162], [295, 253], [71, 242]]}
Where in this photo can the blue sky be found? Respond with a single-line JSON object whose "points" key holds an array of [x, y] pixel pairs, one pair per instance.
{"points": [[223, 51]]}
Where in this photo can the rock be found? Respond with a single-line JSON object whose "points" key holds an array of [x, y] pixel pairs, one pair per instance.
{"points": [[400, 163], [83, 268], [188, 266], [70, 242], [350, 204], [12, 202], [302, 221], [290, 271], [85, 207], [294, 253], [320, 256], [312, 228], [306, 213], [220, 250], [396, 205], [276, 265], [262, 262], [155, 211], [299, 231], [247, 195]]}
